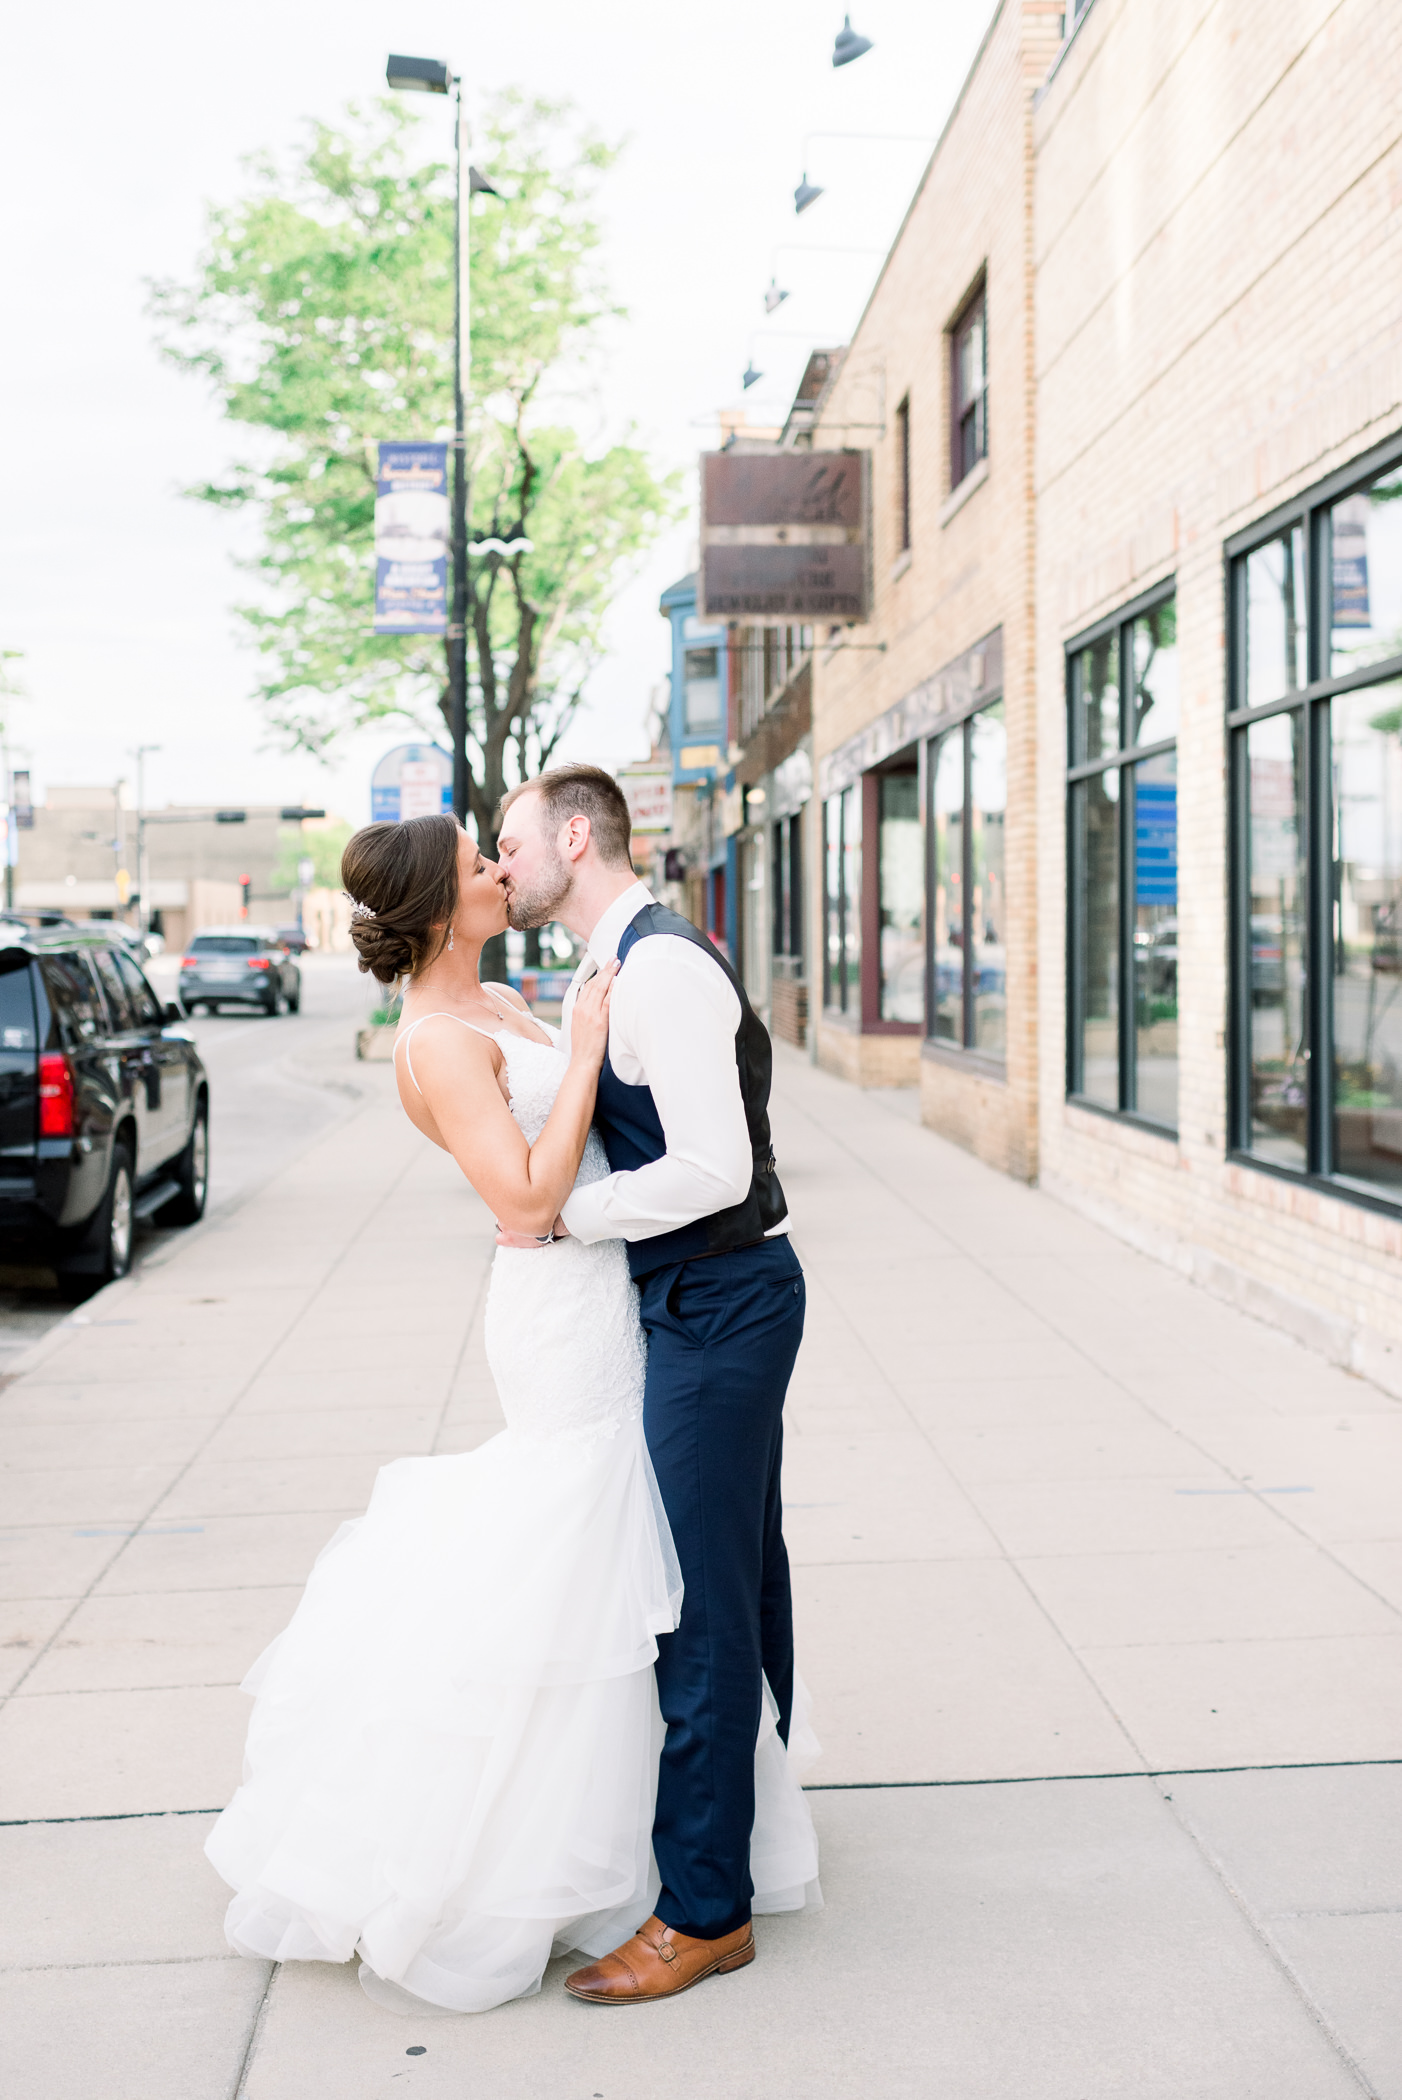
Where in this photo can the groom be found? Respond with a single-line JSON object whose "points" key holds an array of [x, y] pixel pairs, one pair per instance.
{"points": [[682, 1110]]}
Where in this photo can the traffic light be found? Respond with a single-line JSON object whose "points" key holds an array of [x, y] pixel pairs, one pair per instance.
{"points": [[295, 816], [246, 885], [231, 816]]}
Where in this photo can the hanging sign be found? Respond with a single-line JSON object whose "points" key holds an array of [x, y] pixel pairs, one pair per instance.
{"points": [[412, 534], [413, 780], [648, 793], [785, 536]]}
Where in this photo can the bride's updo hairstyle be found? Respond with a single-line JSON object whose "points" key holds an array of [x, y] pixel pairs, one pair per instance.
{"points": [[403, 882]]}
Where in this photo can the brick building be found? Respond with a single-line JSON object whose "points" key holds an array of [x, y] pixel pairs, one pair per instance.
{"points": [[1108, 807]]}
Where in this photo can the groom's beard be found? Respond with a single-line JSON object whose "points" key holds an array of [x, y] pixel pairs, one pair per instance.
{"points": [[537, 902]]}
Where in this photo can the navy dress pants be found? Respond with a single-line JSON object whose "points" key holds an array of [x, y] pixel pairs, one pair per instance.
{"points": [[723, 1333]]}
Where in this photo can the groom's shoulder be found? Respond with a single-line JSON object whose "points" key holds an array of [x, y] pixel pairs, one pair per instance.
{"points": [[677, 937]]}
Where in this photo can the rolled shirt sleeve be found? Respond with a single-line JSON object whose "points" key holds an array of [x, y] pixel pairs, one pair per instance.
{"points": [[673, 1020]]}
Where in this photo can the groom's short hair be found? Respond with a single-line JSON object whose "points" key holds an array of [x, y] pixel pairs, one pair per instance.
{"points": [[582, 791]]}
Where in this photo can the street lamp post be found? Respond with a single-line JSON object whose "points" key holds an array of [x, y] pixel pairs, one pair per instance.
{"points": [[431, 76]]}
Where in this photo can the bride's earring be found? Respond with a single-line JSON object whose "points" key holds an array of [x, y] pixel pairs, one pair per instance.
{"points": [[450, 939]]}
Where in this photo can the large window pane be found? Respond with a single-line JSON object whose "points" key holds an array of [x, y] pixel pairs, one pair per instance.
{"points": [[832, 901], [1366, 730], [852, 899], [1095, 814], [1276, 635], [1095, 699], [1156, 938], [901, 900], [1276, 883], [1366, 578], [1156, 675], [947, 815], [988, 767], [702, 708]]}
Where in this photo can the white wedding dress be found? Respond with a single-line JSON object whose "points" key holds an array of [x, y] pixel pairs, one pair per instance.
{"points": [[452, 1759]]}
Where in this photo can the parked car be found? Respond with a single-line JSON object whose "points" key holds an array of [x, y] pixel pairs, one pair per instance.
{"points": [[293, 938], [142, 945], [104, 1106], [239, 966]]}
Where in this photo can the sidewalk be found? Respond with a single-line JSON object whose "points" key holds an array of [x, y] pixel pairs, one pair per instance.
{"points": [[1080, 1555]]}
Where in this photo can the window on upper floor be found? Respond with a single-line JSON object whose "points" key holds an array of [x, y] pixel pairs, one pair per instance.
{"points": [[903, 476], [968, 391], [702, 708]]}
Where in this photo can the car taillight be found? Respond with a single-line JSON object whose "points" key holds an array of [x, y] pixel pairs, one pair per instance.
{"points": [[259, 962], [189, 962], [55, 1094]]}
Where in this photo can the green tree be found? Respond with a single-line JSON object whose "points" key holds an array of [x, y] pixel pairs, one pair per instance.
{"points": [[322, 845], [321, 313]]}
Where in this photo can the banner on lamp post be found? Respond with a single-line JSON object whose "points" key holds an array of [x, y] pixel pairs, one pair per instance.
{"points": [[412, 534]]}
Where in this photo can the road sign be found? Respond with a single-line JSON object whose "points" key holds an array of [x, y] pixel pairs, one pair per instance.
{"points": [[412, 780]]}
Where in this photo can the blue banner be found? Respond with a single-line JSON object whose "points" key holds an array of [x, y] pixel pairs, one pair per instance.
{"points": [[412, 534]]}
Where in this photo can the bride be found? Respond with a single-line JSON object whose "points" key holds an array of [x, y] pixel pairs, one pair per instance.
{"points": [[452, 1758]]}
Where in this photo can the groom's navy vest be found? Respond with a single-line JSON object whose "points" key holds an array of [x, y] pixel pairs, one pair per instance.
{"points": [[627, 1120]]}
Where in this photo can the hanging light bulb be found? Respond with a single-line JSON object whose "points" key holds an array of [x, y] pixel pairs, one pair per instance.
{"points": [[847, 45]]}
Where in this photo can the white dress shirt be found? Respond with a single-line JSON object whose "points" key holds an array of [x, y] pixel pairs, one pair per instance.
{"points": [[673, 1016]]}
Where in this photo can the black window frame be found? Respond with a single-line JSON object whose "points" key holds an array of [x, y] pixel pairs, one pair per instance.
{"points": [[975, 407], [1310, 510], [1123, 759]]}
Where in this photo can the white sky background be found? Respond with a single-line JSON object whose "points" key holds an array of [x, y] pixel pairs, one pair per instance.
{"points": [[116, 127]]}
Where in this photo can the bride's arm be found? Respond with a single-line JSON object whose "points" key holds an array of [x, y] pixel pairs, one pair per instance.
{"points": [[523, 1185]]}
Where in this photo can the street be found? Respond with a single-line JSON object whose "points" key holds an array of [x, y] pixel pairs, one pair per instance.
{"points": [[1099, 1592], [262, 1106]]}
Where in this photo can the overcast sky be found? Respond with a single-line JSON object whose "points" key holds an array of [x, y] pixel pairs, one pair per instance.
{"points": [[118, 125]]}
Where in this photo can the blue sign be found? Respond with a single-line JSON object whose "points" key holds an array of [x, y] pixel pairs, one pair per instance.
{"points": [[412, 534], [412, 780], [1155, 844]]}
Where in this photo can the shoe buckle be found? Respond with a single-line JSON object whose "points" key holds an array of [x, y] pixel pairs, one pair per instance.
{"points": [[666, 1950]]}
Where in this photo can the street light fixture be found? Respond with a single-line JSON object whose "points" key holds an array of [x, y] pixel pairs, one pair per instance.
{"points": [[774, 298], [807, 193], [432, 76], [847, 45], [750, 375]]}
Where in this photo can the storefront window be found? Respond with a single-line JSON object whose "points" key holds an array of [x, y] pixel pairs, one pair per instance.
{"points": [[842, 881], [988, 806], [1122, 817], [1317, 864], [967, 954], [901, 899], [947, 917], [1275, 1010]]}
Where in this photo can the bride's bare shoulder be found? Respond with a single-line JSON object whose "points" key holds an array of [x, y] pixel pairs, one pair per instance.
{"points": [[510, 997]]}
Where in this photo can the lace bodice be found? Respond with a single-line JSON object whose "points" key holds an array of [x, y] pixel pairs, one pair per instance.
{"points": [[563, 1336]]}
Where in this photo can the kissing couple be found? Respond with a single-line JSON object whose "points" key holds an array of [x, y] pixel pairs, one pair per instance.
{"points": [[541, 1698]]}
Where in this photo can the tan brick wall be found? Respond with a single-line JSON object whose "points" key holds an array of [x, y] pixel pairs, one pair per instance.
{"points": [[973, 571], [1218, 255], [868, 1060]]}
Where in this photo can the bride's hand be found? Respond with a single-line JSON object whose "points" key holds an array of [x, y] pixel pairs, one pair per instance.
{"points": [[589, 1023]]}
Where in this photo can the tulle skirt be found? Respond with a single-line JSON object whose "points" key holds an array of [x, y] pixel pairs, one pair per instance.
{"points": [[452, 1761]]}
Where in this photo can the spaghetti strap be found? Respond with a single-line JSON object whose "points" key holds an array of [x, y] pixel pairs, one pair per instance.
{"points": [[438, 1015]]}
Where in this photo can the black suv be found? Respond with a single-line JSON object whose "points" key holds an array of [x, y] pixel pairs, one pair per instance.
{"points": [[104, 1106]]}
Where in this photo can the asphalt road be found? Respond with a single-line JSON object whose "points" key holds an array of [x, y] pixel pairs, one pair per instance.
{"points": [[271, 1093]]}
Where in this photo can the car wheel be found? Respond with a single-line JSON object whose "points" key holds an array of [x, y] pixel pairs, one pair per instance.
{"points": [[278, 1003], [104, 1252], [192, 1172]]}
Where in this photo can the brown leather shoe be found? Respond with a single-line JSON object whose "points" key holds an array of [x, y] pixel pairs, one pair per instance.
{"points": [[657, 1963]]}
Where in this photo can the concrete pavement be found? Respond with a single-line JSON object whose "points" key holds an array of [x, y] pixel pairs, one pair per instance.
{"points": [[1099, 1588]]}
